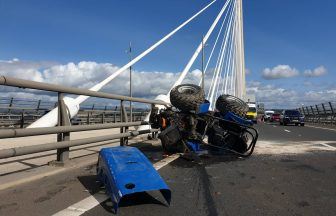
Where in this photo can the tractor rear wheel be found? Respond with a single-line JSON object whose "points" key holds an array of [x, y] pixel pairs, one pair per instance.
{"points": [[229, 103], [187, 97]]}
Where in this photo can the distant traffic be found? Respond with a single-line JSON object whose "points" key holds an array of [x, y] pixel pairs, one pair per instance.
{"points": [[284, 117]]}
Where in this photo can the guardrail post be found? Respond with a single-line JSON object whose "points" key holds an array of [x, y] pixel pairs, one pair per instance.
{"points": [[103, 118], [303, 111], [311, 107], [123, 118], [325, 114], [63, 120], [154, 134], [308, 115], [333, 113], [22, 120], [318, 114], [88, 118], [10, 104], [38, 105]]}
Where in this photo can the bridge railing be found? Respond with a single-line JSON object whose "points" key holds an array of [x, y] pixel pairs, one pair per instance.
{"points": [[20, 112], [324, 113], [22, 118], [64, 126]]}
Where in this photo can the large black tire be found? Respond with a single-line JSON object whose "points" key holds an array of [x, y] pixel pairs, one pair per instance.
{"points": [[229, 103], [236, 143], [187, 97]]}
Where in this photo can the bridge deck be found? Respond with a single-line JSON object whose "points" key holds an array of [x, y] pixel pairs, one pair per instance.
{"points": [[291, 173]]}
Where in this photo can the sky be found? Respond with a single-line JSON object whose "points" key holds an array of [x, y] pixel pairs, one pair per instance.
{"points": [[289, 45]]}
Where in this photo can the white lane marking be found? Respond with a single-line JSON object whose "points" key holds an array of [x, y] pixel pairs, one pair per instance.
{"points": [[90, 202], [331, 129], [287, 130], [329, 146], [84, 205], [293, 148], [158, 165], [274, 126]]}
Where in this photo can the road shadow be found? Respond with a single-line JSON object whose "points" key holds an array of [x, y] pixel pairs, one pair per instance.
{"points": [[91, 184], [153, 152], [136, 199]]}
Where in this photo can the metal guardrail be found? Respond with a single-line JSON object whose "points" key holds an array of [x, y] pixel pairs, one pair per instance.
{"points": [[10, 81], [64, 126], [324, 113], [22, 118]]}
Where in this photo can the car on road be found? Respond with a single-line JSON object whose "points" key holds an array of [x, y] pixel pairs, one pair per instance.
{"points": [[291, 117], [268, 114], [275, 117]]}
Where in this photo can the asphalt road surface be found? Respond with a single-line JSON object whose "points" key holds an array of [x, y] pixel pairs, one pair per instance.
{"points": [[292, 172]]}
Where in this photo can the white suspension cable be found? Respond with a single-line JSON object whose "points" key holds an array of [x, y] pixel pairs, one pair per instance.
{"points": [[222, 74], [221, 62], [218, 84], [219, 56], [233, 76], [199, 48], [227, 62], [217, 64], [98, 86], [215, 44], [225, 83], [229, 67], [234, 60], [221, 71]]}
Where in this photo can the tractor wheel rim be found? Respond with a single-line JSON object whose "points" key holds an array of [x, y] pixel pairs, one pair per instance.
{"points": [[187, 89]]}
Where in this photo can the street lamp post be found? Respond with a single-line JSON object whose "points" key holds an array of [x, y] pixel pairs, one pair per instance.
{"points": [[130, 72], [203, 72]]}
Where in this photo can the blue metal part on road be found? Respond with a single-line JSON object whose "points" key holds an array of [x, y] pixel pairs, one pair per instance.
{"points": [[125, 171]]}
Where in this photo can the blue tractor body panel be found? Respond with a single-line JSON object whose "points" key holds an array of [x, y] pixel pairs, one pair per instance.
{"points": [[230, 116], [125, 170], [204, 107], [194, 146]]}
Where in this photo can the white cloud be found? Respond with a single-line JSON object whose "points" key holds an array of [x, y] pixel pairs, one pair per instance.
{"points": [[285, 71], [86, 74], [277, 97], [317, 72], [24, 69], [280, 71], [146, 84]]}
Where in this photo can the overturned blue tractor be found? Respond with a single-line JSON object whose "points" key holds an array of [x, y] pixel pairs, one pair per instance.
{"points": [[189, 126]]}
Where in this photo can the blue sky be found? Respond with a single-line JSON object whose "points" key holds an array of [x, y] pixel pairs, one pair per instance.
{"points": [[299, 34]]}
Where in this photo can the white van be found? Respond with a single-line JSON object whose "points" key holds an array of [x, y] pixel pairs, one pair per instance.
{"points": [[268, 115]]}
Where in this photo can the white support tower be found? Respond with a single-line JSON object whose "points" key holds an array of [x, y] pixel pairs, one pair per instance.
{"points": [[239, 46]]}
